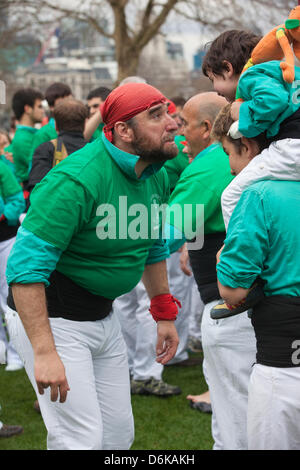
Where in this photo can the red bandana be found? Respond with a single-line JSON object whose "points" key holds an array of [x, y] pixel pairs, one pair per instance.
{"points": [[126, 101]]}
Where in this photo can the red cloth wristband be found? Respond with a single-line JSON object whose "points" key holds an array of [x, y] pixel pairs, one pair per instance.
{"points": [[164, 307], [2, 217]]}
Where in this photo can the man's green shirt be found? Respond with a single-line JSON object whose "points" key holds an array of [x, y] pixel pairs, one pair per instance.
{"points": [[21, 149], [176, 166], [202, 182], [90, 207], [44, 134]]}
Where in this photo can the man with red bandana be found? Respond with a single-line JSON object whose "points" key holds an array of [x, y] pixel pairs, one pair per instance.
{"points": [[75, 253]]}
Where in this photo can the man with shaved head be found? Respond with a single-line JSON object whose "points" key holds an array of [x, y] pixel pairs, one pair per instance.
{"points": [[81, 246]]}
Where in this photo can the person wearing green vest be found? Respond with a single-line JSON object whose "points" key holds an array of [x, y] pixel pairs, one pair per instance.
{"points": [[54, 94], [28, 109], [92, 231], [12, 205], [183, 286]]}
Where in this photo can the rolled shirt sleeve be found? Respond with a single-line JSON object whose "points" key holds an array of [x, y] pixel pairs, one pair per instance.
{"points": [[31, 260], [247, 242]]}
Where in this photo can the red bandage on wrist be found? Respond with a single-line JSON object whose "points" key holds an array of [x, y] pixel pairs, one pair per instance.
{"points": [[164, 307]]}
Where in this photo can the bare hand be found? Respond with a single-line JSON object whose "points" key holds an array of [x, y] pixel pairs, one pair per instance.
{"points": [[50, 372], [184, 261], [235, 110], [167, 341]]}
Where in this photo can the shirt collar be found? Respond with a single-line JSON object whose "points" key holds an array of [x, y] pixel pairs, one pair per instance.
{"points": [[207, 150], [52, 122], [127, 161], [27, 128]]}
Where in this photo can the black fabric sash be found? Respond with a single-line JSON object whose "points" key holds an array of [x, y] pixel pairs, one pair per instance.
{"points": [[276, 321], [66, 299], [289, 128], [203, 264]]}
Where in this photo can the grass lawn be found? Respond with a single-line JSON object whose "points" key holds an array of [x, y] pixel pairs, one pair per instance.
{"points": [[160, 423]]}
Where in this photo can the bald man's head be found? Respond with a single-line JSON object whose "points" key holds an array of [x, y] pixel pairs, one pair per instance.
{"points": [[199, 114]]}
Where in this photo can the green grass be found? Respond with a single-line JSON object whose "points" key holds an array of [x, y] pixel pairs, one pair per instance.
{"points": [[160, 423]]}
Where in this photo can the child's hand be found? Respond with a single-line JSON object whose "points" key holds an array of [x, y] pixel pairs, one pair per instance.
{"points": [[219, 254], [235, 110]]}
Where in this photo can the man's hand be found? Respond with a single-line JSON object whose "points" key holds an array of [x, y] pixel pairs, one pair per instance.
{"points": [[50, 372], [184, 261], [235, 110], [167, 341]]}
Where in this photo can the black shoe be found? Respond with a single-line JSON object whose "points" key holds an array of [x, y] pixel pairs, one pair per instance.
{"points": [[201, 406], [153, 387], [9, 431], [223, 310]]}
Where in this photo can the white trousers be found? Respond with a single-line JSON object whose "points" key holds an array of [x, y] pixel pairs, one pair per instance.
{"points": [[140, 333], [97, 413], [280, 161], [12, 356], [229, 348], [196, 310], [274, 408], [181, 288]]}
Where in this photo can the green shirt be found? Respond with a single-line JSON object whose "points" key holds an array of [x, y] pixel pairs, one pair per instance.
{"points": [[89, 207], [202, 182], [21, 150], [11, 195], [263, 239], [8, 183], [44, 134], [176, 166], [268, 99], [97, 133]]}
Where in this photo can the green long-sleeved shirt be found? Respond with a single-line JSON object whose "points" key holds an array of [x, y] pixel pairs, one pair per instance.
{"points": [[202, 183], [78, 223], [263, 239], [21, 150]]}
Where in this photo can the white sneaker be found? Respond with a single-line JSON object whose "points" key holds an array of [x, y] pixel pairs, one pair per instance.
{"points": [[2, 352], [14, 366]]}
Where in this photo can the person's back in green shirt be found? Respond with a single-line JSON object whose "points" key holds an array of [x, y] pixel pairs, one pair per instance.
{"points": [[176, 166], [44, 134], [21, 150]]}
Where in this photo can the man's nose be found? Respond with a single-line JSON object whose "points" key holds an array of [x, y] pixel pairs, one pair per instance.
{"points": [[171, 123]]}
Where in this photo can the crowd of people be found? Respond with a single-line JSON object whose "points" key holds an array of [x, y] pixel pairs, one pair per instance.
{"points": [[108, 277]]}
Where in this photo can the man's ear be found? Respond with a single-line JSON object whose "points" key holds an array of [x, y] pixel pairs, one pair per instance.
{"points": [[207, 129], [124, 132], [28, 109]]}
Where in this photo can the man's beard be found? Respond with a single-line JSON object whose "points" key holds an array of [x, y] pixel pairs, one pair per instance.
{"points": [[154, 155]]}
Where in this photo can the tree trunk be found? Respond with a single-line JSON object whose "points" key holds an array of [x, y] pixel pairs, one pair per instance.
{"points": [[128, 62]]}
